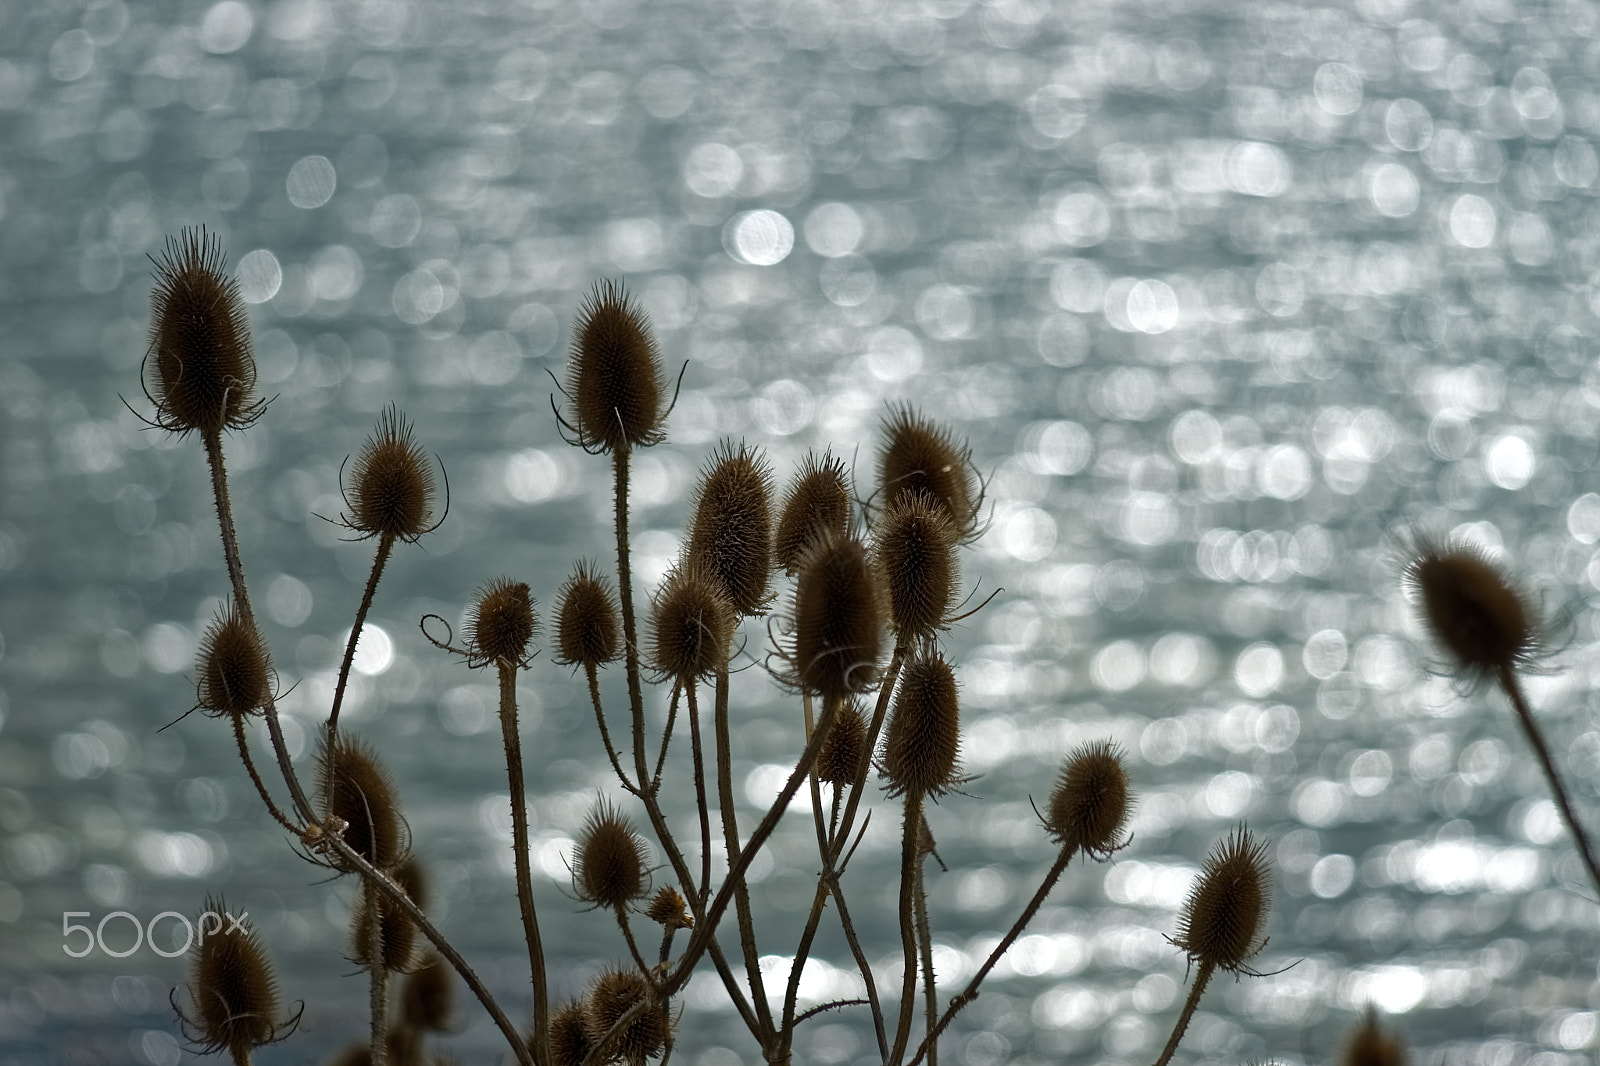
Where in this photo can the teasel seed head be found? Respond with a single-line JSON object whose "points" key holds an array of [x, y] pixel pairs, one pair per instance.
{"points": [[1371, 1045], [355, 787], [613, 994], [923, 738], [844, 749], [614, 383], [692, 623], [608, 866], [668, 910], [392, 491], [501, 624], [1470, 604], [837, 619], [397, 947], [233, 992], [569, 1036], [236, 674], [200, 368], [1223, 917], [919, 455], [915, 546], [816, 506], [1091, 801], [587, 632], [731, 535], [427, 1001]]}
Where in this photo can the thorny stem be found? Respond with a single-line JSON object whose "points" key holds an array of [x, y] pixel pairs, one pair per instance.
{"points": [[861, 964], [600, 718], [700, 800], [1530, 729], [730, 841], [380, 983], [379, 559], [1202, 977], [919, 898], [879, 713], [910, 860], [666, 736], [803, 950], [519, 834], [633, 945], [261, 788], [619, 459]]}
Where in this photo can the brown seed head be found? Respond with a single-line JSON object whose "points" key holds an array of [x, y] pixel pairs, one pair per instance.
{"points": [[837, 620], [428, 999], [668, 910], [354, 786], [1370, 1045], [202, 372], [608, 867], [844, 749], [569, 1036], [614, 993], [731, 536], [1224, 914], [915, 545], [614, 384], [692, 622], [816, 506], [233, 991], [392, 492], [501, 623], [1090, 805], [586, 619], [397, 944], [924, 734], [1474, 610], [235, 670], [920, 456]]}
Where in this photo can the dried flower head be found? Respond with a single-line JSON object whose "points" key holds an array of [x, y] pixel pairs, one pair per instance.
{"points": [[232, 991], [668, 910], [501, 624], [836, 621], [692, 625], [569, 1036], [844, 749], [1091, 802], [1370, 1045], [1223, 917], [924, 734], [392, 492], [587, 632], [919, 455], [915, 545], [235, 670], [731, 535], [1473, 608], [613, 995], [815, 507], [396, 946], [355, 787], [201, 370], [614, 384], [427, 1001], [608, 866]]}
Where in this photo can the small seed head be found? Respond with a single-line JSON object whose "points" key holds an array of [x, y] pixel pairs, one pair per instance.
{"points": [[1482, 621], [608, 867], [501, 624], [1091, 802], [816, 507], [233, 992], [202, 372], [569, 1036], [235, 671], [693, 622], [1223, 917], [397, 946], [731, 536], [920, 456], [837, 620], [924, 735], [356, 788], [392, 491], [668, 910], [614, 993], [1371, 1045], [587, 632], [915, 545], [614, 381], [844, 749], [427, 1001]]}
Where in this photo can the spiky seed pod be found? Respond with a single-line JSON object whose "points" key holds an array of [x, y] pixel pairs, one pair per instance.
{"points": [[613, 994], [397, 948], [501, 624], [608, 866], [1473, 608], [924, 735], [816, 506], [202, 370], [692, 624], [569, 1036], [920, 456], [668, 910], [614, 382], [427, 1001], [1223, 917], [731, 535], [233, 992], [1370, 1045], [355, 787], [587, 632], [1090, 803], [844, 749], [235, 671], [915, 546], [837, 620], [392, 491]]}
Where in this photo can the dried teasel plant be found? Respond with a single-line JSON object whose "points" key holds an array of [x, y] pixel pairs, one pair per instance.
{"points": [[615, 391], [1369, 1044], [501, 624], [356, 788], [233, 991], [836, 620], [730, 537], [586, 619], [816, 506], [612, 999], [235, 668], [921, 456]]}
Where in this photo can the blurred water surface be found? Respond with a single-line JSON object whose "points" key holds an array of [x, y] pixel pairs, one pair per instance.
{"points": [[1220, 293]]}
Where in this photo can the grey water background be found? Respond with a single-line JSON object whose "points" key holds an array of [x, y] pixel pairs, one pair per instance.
{"points": [[1221, 294]]}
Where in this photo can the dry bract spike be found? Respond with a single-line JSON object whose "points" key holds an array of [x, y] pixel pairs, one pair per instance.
{"points": [[587, 632], [1091, 802], [924, 735], [919, 455], [232, 989], [608, 866], [693, 623], [501, 624], [1473, 608], [816, 507], [837, 620], [392, 491], [731, 535], [354, 787], [614, 382], [1223, 917], [235, 675]]}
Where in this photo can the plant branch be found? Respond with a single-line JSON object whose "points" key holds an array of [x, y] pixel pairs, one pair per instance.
{"points": [[910, 859], [1202, 978], [730, 842], [379, 559], [512, 742]]}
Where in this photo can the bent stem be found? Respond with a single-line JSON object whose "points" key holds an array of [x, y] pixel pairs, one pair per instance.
{"points": [[379, 560], [519, 835], [1530, 729], [1202, 978], [255, 777]]}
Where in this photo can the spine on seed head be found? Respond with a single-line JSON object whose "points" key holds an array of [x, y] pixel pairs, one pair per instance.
{"points": [[235, 671], [614, 382], [501, 623], [392, 490], [816, 506], [1091, 802], [1225, 913], [692, 623], [923, 742], [731, 535], [837, 620], [233, 991], [587, 631], [608, 866], [915, 545]]}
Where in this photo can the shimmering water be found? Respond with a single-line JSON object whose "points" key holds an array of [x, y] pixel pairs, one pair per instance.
{"points": [[1220, 293]]}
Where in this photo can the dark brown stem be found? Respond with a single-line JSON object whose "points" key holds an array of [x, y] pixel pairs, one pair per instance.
{"points": [[255, 777], [630, 629], [862, 965], [803, 950], [380, 981], [910, 859], [1202, 978], [698, 752], [1530, 729], [879, 713], [730, 842], [379, 559], [930, 997], [633, 945], [666, 735], [519, 836], [600, 718]]}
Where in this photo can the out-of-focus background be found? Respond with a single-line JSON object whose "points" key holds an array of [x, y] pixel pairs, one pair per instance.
{"points": [[1222, 294]]}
